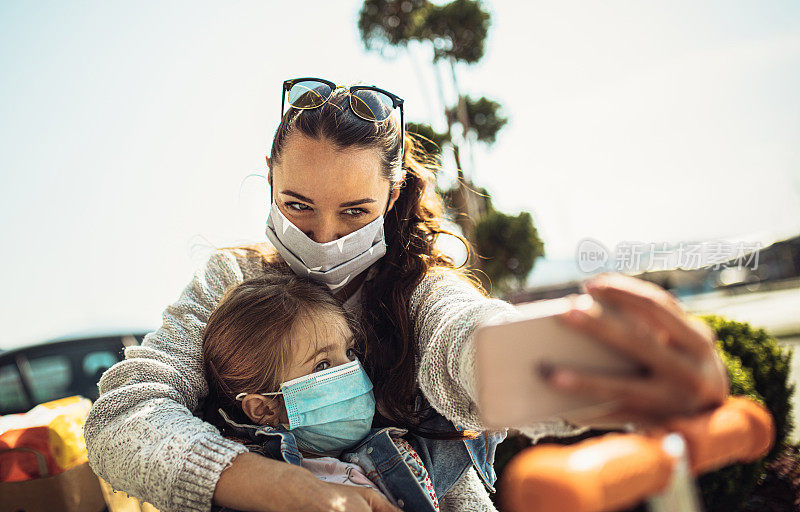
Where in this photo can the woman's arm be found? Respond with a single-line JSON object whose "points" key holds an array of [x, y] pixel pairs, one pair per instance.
{"points": [[685, 373], [446, 311], [140, 433]]}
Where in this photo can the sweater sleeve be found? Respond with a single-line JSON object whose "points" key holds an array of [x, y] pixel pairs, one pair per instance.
{"points": [[446, 311], [141, 434], [468, 493]]}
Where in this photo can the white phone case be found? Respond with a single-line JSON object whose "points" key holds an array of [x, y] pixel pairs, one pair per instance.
{"points": [[511, 389]]}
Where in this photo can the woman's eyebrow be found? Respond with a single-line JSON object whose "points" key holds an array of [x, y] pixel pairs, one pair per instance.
{"points": [[357, 202], [297, 196]]}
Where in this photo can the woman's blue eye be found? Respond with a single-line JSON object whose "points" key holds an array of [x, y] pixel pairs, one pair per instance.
{"points": [[354, 212], [320, 367], [298, 206]]}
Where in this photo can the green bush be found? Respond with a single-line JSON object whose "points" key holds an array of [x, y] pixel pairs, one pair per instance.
{"points": [[770, 365], [758, 368]]}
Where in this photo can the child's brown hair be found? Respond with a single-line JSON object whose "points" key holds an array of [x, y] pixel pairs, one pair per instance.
{"points": [[247, 340]]}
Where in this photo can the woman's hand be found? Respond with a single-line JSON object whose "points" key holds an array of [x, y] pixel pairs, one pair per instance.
{"points": [[257, 483], [684, 373], [340, 497]]}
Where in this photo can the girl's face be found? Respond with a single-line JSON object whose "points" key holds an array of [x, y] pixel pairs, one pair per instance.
{"points": [[319, 340], [329, 193]]}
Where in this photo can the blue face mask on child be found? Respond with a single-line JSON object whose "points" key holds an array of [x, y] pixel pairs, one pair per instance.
{"points": [[330, 410]]}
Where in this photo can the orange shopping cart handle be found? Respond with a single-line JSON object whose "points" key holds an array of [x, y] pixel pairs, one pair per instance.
{"points": [[740, 430], [615, 471]]}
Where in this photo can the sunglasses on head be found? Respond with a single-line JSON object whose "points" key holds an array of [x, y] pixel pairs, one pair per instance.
{"points": [[368, 102]]}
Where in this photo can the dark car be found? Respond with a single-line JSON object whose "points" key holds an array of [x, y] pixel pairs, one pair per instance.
{"points": [[47, 371]]}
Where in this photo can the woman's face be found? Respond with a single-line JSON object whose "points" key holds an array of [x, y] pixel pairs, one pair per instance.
{"points": [[329, 193]]}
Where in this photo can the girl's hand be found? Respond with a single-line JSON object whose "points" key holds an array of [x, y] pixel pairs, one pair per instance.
{"points": [[684, 373]]}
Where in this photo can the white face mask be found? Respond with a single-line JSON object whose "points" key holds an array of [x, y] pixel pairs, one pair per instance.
{"points": [[333, 263]]}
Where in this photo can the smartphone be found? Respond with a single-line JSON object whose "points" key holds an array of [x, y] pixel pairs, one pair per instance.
{"points": [[511, 361]]}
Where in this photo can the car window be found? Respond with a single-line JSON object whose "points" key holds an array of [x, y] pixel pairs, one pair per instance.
{"points": [[99, 361], [51, 376], [12, 396]]}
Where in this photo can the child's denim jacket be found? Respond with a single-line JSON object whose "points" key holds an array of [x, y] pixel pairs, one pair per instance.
{"points": [[445, 460]]}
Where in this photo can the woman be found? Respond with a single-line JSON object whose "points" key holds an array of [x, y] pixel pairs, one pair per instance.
{"points": [[347, 187]]}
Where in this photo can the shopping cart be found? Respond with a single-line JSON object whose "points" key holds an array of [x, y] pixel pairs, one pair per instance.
{"points": [[618, 471]]}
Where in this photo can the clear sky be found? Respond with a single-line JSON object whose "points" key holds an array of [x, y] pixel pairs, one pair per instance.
{"points": [[127, 130]]}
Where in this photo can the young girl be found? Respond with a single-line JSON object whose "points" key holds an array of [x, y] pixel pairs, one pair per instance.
{"points": [[280, 356]]}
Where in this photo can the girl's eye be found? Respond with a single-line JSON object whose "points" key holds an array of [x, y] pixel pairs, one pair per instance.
{"points": [[300, 207], [354, 212], [323, 365], [351, 354]]}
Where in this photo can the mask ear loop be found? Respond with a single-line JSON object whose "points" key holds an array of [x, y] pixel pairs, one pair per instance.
{"points": [[387, 203], [241, 396], [269, 180]]}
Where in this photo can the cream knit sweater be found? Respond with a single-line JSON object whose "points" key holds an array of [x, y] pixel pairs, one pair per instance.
{"points": [[143, 438]]}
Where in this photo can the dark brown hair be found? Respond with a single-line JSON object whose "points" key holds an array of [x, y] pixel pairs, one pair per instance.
{"points": [[412, 227], [247, 340]]}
